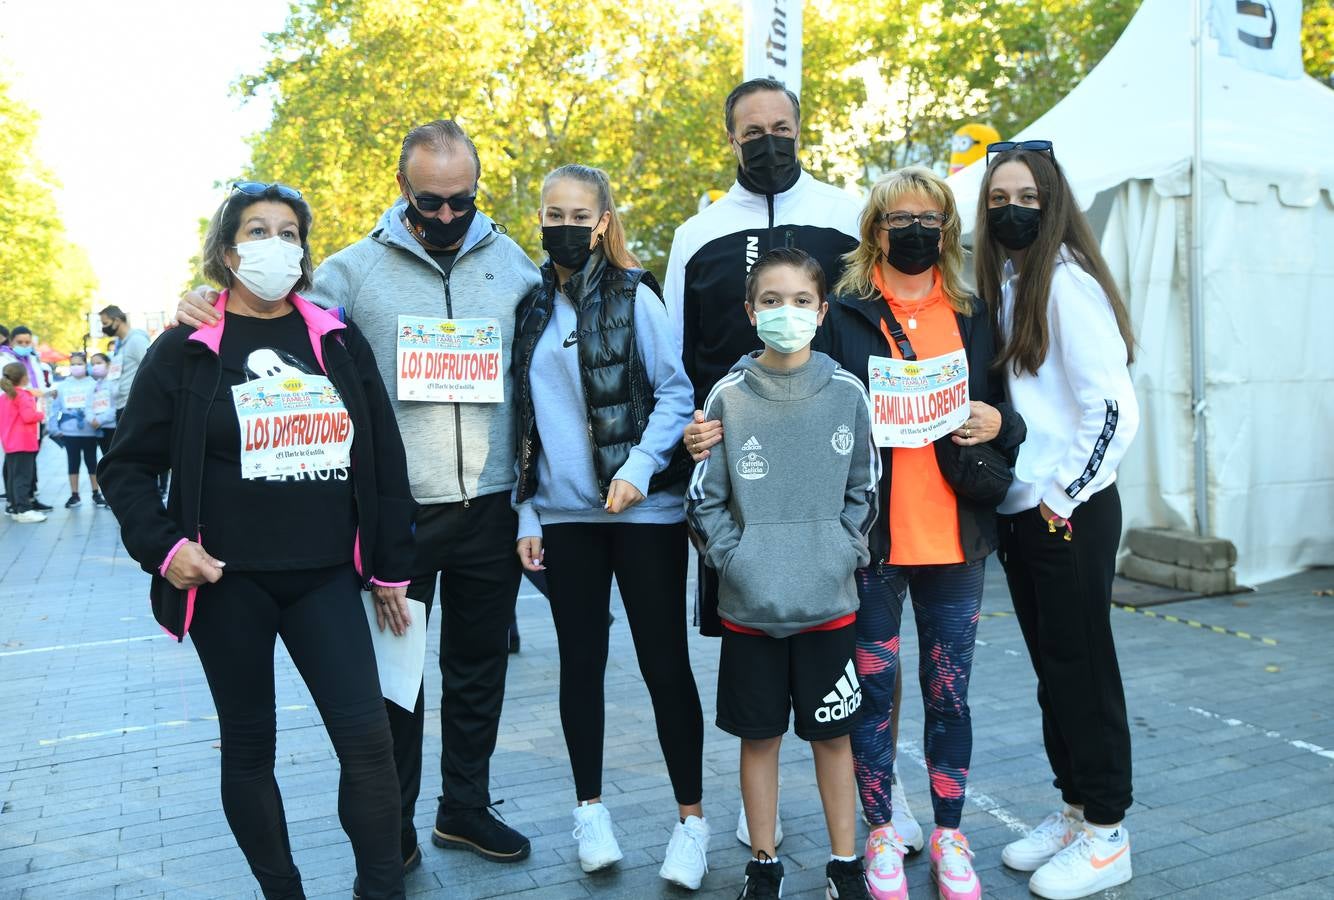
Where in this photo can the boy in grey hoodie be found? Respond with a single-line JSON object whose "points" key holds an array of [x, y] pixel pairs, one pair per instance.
{"points": [[783, 505]]}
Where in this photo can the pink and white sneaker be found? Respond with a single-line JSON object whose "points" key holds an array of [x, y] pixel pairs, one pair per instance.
{"points": [[952, 866], [884, 864]]}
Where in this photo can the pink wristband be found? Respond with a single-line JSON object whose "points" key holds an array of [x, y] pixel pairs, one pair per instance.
{"points": [[171, 554], [378, 583]]}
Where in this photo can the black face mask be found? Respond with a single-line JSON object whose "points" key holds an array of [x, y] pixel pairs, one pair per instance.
{"points": [[567, 245], [913, 249], [768, 164], [437, 233], [109, 330], [1014, 226]]}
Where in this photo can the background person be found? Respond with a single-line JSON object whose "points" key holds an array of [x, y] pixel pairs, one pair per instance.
{"points": [[19, 437], [102, 406], [902, 290], [70, 415], [1065, 346], [602, 399], [22, 349], [325, 532]]}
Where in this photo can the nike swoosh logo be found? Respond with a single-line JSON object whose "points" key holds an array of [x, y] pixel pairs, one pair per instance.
{"points": [[571, 340], [1104, 863]]}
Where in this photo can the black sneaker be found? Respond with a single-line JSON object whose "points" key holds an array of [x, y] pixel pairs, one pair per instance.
{"points": [[514, 637], [99, 500], [845, 880], [412, 861], [40, 506], [764, 880], [11, 509], [73, 501], [480, 830]]}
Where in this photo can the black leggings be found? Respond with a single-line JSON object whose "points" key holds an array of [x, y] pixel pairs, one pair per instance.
{"points": [[649, 562], [104, 440], [85, 447], [319, 615]]}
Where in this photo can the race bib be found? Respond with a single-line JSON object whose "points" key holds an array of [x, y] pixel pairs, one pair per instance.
{"points": [[450, 360], [114, 370], [291, 424], [77, 397], [100, 405], [915, 403]]}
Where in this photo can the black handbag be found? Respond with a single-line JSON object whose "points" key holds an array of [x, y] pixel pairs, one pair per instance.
{"points": [[978, 473]]}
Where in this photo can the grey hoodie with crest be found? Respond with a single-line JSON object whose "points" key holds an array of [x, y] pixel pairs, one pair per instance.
{"points": [[785, 502], [456, 451]]}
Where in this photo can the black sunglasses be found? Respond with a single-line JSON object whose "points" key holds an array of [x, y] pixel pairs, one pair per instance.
{"points": [[1007, 146], [431, 203], [259, 189]]}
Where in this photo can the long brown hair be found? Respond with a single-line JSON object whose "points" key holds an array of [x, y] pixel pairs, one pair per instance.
{"points": [[10, 376], [1061, 224], [613, 239], [858, 264]]}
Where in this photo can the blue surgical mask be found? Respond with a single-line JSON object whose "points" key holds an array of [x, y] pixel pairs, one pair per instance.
{"points": [[786, 329], [21, 351]]}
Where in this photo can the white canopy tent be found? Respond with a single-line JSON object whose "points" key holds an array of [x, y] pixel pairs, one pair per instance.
{"points": [[1124, 137]]}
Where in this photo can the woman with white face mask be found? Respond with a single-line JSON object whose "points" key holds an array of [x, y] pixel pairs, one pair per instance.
{"points": [[287, 470]]}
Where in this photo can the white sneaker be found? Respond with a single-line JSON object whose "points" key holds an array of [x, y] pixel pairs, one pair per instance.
{"points": [[597, 845], [1088, 865], [28, 517], [743, 829], [901, 817], [1051, 836], [687, 853]]}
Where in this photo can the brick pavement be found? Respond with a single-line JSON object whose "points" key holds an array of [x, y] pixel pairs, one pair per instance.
{"points": [[108, 751]]}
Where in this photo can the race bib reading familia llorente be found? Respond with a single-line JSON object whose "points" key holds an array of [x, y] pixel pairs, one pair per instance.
{"points": [[915, 402]]}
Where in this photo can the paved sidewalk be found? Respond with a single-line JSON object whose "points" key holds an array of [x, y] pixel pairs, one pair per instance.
{"points": [[109, 760]]}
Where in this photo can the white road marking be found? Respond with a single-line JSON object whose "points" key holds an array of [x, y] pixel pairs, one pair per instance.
{"points": [[982, 801], [1238, 723], [84, 645], [132, 729]]}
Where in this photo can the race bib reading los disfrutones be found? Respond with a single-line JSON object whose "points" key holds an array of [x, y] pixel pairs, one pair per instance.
{"points": [[916, 402], [291, 424], [450, 360]]}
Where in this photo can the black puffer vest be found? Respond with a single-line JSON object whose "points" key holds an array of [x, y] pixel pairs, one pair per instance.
{"points": [[617, 390]]}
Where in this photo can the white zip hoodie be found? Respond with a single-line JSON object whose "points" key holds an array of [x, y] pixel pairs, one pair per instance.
{"points": [[1080, 407]]}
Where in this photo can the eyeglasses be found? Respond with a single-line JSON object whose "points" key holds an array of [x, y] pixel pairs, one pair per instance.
{"points": [[1006, 146], [901, 219], [430, 202], [259, 189]]}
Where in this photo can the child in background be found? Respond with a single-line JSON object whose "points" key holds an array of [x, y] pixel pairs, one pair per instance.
{"points": [[783, 506], [19, 420], [102, 409], [70, 418]]}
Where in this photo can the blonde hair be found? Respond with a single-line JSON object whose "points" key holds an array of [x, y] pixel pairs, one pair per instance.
{"points": [[613, 239], [10, 377], [859, 264]]}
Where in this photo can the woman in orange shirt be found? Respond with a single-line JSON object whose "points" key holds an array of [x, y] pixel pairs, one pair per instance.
{"points": [[901, 296]]}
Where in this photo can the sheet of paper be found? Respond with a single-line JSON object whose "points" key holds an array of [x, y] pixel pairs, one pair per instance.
{"points": [[450, 360], [400, 658], [914, 403]]}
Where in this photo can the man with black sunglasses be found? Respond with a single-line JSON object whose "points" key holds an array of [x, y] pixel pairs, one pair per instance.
{"points": [[433, 272]]}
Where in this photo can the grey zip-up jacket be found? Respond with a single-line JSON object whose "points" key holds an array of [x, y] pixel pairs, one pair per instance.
{"points": [[455, 451], [785, 502]]}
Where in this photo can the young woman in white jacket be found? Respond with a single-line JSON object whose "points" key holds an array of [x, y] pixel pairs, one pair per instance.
{"points": [[1065, 344]]}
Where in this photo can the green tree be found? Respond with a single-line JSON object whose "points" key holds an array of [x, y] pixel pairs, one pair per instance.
{"points": [[621, 86], [45, 281], [1318, 39]]}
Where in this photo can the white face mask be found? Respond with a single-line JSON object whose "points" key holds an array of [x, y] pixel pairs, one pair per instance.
{"points": [[786, 329], [269, 267]]}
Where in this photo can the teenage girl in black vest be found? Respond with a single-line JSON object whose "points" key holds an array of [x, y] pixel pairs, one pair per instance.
{"points": [[602, 399]]}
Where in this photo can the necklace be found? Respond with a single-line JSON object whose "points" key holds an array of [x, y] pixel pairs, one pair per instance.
{"points": [[912, 316]]}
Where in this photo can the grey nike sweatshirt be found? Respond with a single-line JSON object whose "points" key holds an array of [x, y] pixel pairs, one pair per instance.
{"points": [[785, 502]]}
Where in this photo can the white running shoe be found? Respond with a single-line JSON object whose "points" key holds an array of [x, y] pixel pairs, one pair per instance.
{"points": [[901, 817], [1052, 835], [597, 844], [1088, 865], [29, 517], [743, 829], [687, 854]]}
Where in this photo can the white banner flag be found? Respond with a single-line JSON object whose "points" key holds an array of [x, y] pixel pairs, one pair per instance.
{"points": [[773, 41], [1264, 35]]}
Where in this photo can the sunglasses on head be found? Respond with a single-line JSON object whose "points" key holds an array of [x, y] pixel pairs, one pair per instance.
{"points": [[1006, 146], [430, 202], [259, 189]]}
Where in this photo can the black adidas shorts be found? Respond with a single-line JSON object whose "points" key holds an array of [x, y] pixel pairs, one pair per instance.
{"points": [[763, 680]]}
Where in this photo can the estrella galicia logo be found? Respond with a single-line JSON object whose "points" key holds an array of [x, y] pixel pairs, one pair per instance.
{"points": [[752, 466]]}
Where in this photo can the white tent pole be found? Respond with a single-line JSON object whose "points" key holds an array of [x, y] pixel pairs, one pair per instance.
{"points": [[1197, 282]]}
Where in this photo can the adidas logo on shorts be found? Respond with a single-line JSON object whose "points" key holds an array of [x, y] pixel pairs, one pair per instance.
{"points": [[844, 699], [752, 445]]}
